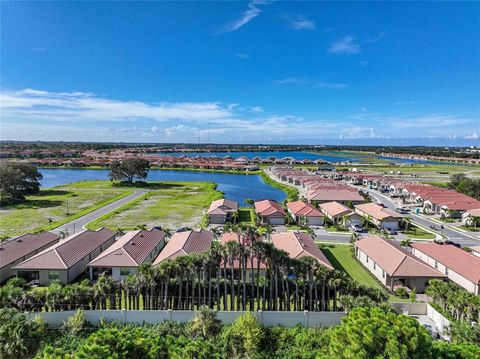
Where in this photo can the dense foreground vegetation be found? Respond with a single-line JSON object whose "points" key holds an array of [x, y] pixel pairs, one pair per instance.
{"points": [[363, 333]]}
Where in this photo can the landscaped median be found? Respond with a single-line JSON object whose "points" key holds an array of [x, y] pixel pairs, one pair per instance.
{"points": [[167, 204], [56, 206]]}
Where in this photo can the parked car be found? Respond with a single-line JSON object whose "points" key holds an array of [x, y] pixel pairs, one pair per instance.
{"points": [[384, 190], [357, 228], [391, 231]]}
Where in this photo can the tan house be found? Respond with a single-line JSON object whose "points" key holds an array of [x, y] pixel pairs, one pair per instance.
{"points": [[129, 252], [340, 195], [221, 211], [338, 213], [458, 265], [471, 217], [270, 212], [392, 265], [185, 243], [380, 216], [67, 259], [299, 245], [17, 250], [299, 209]]}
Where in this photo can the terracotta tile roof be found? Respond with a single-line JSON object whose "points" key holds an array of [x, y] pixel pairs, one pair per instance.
{"points": [[299, 208], [334, 195], [184, 243], [474, 212], [268, 208], [68, 251], [456, 259], [17, 248], [334, 209], [395, 260], [131, 250], [298, 245], [376, 211], [222, 206]]}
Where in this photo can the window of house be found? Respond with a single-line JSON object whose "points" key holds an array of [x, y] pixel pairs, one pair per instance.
{"points": [[374, 265], [124, 271], [53, 275], [446, 270], [436, 265], [367, 259], [383, 274]]}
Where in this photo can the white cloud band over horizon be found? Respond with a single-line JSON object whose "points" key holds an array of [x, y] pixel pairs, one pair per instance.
{"points": [[31, 114]]}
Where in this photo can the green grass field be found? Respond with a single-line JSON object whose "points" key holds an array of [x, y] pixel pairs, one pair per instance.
{"points": [[168, 204], [246, 216], [417, 232], [341, 258], [60, 204]]}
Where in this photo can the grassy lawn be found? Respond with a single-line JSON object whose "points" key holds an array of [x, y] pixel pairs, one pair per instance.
{"points": [[342, 259], [334, 229], [292, 192], [470, 229], [417, 232], [168, 204], [246, 216], [80, 198]]}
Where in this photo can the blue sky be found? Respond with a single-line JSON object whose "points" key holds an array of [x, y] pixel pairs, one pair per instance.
{"points": [[241, 72]]}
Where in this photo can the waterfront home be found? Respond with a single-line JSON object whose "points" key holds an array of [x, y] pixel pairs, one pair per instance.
{"points": [[299, 210], [221, 211], [19, 249], [339, 213], [380, 216], [67, 259], [185, 243], [471, 217], [299, 245], [129, 252], [339, 194], [458, 265], [270, 212], [392, 265]]}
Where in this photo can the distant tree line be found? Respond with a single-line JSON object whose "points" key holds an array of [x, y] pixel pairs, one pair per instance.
{"points": [[466, 185]]}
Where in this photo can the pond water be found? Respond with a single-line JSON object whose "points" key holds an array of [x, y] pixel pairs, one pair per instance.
{"points": [[237, 187]]}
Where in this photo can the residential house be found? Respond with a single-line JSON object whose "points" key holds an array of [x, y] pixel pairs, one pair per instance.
{"points": [[270, 212], [252, 262], [392, 265], [299, 245], [67, 259], [458, 265], [185, 243], [129, 252], [299, 210], [471, 217], [476, 251], [380, 216], [339, 213], [341, 195], [17, 250], [221, 211]]}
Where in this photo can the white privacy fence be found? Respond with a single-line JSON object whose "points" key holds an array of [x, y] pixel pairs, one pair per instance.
{"points": [[268, 318]]}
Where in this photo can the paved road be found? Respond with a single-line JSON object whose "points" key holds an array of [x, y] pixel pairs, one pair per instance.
{"points": [[78, 224], [454, 235]]}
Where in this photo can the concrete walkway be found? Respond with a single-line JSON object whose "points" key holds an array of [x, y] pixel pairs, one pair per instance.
{"points": [[78, 224]]}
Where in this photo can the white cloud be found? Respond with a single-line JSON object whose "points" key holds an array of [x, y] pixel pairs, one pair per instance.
{"points": [[345, 45], [300, 22], [311, 82], [472, 136], [248, 15]]}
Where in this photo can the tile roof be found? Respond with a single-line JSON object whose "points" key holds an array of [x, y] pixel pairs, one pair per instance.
{"points": [[269, 207], [458, 260], [300, 208], [474, 212], [298, 245], [222, 206], [68, 251], [334, 195], [130, 250], [17, 248], [376, 211], [334, 209], [395, 260], [184, 243]]}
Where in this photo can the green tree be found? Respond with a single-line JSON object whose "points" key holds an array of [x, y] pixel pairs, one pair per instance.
{"points": [[19, 336], [205, 324], [129, 169], [244, 337], [374, 333], [18, 180]]}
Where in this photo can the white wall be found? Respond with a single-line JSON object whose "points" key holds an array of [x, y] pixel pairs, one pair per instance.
{"points": [[288, 319], [441, 322], [374, 268]]}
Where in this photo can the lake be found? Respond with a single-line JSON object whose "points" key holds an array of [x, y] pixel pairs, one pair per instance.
{"points": [[237, 187]]}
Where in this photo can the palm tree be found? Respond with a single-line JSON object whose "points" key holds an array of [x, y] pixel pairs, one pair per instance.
{"points": [[406, 243], [268, 231], [235, 217], [233, 251], [406, 222]]}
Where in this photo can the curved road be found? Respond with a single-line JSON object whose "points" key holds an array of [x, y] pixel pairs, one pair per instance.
{"points": [[79, 223]]}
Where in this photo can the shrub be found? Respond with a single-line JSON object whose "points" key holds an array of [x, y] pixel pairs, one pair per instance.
{"points": [[401, 292]]}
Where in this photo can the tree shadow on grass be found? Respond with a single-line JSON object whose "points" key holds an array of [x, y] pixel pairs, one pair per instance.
{"points": [[332, 259]]}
